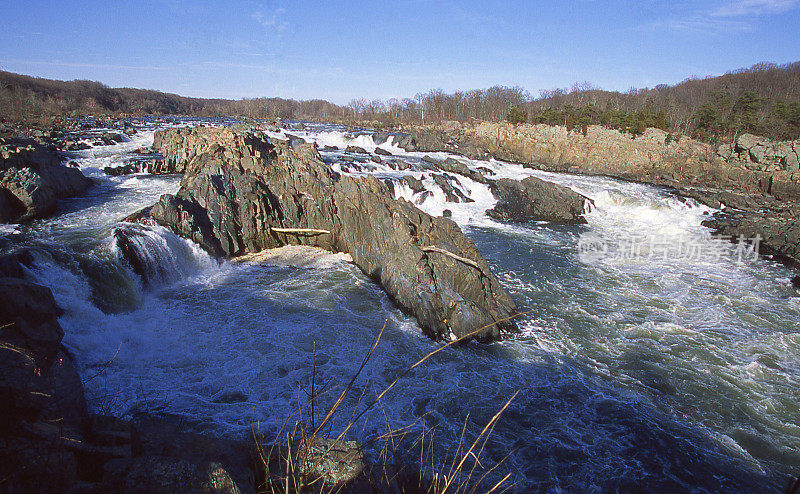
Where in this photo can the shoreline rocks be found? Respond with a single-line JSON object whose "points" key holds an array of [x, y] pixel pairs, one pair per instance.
{"points": [[242, 193], [761, 173], [33, 179], [50, 442]]}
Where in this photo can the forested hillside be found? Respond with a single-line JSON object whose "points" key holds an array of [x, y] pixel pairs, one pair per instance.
{"points": [[763, 99]]}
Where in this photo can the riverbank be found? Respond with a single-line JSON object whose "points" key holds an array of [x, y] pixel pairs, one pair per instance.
{"points": [[615, 352], [755, 181], [51, 442]]}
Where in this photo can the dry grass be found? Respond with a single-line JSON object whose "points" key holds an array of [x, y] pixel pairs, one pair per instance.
{"points": [[290, 465]]}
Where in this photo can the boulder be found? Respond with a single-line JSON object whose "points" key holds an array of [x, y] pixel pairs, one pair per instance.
{"points": [[41, 395], [334, 463], [414, 184], [380, 137], [355, 150], [383, 152], [453, 165], [28, 319], [167, 475], [451, 193], [791, 161], [746, 142], [241, 194], [32, 180], [125, 169], [536, 199], [111, 138]]}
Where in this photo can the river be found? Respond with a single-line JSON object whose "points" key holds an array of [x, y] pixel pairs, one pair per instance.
{"points": [[651, 355]]}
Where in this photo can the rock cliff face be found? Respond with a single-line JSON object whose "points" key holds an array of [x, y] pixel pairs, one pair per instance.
{"points": [[654, 157], [32, 180], [756, 178], [759, 153], [242, 193]]}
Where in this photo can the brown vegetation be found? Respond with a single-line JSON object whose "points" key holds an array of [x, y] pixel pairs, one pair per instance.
{"points": [[763, 99]]}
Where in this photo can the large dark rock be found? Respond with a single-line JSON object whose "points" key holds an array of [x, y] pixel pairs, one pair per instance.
{"points": [[355, 150], [452, 193], [32, 180], [167, 475], [453, 165], [774, 233], [535, 199], [380, 137], [242, 186], [28, 319], [41, 395], [414, 184]]}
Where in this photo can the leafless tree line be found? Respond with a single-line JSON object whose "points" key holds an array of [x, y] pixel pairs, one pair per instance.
{"points": [[24, 98]]}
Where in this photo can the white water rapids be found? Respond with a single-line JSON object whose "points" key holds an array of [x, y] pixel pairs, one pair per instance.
{"points": [[675, 367]]}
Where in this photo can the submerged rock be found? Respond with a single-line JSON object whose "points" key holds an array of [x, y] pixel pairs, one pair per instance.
{"points": [[244, 194], [535, 199]]}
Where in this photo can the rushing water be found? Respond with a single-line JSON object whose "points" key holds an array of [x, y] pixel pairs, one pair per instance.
{"points": [[665, 359]]}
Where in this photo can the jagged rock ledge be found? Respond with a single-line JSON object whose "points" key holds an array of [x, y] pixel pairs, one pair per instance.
{"points": [[241, 194], [33, 179]]}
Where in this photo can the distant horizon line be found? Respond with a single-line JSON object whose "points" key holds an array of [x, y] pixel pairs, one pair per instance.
{"points": [[568, 89]]}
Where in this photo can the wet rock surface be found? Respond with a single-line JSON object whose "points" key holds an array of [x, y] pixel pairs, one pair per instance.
{"points": [[534, 199], [49, 442], [33, 179], [775, 231], [241, 194]]}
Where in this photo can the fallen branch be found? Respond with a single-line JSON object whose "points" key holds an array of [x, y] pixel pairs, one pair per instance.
{"points": [[300, 231], [469, 262]]}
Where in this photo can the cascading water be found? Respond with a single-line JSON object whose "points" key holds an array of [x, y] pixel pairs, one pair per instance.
{"points": [[666, 359]]}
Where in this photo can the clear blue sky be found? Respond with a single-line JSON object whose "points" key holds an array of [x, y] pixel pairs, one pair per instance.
{"points": [[342, 50]]}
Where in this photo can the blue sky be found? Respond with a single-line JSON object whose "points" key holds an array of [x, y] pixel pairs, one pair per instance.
{"points": [[342, 50]]}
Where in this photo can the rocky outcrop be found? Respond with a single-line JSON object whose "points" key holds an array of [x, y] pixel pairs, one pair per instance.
{"points": [[243, 194], [655, 157], [32, 180], [752, 170], [50, 443], [449, 136], [41, 396], [534, 199], [760, 153], [153, 166], [453, 165], [773, 231], [176, 150]]}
